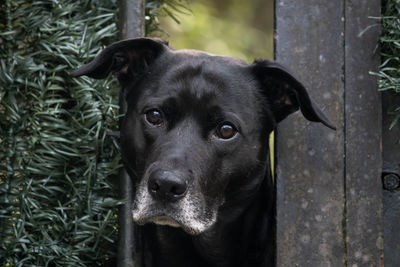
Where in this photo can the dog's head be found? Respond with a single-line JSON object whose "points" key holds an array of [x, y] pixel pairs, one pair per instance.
{"points": [[194, 138]]}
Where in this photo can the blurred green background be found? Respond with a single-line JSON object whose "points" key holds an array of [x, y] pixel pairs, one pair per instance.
{"points": [[238, 28]]}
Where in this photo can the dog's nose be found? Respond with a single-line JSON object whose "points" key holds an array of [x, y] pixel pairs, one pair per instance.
{"points": [[167, 186]]}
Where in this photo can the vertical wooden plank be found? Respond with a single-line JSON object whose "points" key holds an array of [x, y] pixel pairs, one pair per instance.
{"points": [[363, 124], [391, 193], [329, 188], [310, 163], [132, 25], [132, 18], [126, 229]]}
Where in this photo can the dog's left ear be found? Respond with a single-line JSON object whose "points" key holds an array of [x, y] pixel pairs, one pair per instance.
{"points": [[126, 59], [285, 93]]}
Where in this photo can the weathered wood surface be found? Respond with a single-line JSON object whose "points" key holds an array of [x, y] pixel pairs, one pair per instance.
{"points": [[329, 203], [391, 194], [310, 164], [363, 136], [132, 18]]}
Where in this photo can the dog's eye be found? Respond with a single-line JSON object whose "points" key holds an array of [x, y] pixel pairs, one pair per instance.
{"points": [[154, 117], [225, 131]]}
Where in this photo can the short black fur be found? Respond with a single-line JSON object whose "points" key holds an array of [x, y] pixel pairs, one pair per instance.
{"points": [[200, 199]]}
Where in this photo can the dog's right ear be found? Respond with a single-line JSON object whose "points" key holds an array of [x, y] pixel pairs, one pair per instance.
{"points": [[286, 94], [125, 59]]}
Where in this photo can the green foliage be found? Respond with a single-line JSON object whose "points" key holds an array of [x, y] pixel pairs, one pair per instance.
{"points": [[58, 205], [389, 72], [242, 29], [163, 8], [59, 157]]}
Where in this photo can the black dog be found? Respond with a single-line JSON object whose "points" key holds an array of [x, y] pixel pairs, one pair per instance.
{"points": [[195, 143]]}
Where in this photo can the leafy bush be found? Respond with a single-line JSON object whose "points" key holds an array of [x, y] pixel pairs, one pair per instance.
{"points": [[58, 205], [58, 156], [389, 72]]}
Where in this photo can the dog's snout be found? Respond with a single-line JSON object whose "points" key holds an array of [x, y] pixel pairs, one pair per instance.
{"points": [[166, 186]]}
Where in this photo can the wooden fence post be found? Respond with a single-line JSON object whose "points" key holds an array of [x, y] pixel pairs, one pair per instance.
{"points": [[132, 25], [328, 183], [363, 136], [391, 182]]}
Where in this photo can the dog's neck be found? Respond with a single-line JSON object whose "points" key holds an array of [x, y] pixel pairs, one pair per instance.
{"points": [[240, 242], [228, 242]]}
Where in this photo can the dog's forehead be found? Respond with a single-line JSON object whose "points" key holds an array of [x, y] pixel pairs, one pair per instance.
{"points": [[202, 75]]}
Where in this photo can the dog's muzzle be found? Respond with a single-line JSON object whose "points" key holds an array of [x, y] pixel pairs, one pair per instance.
{"points": [[165, 197]]}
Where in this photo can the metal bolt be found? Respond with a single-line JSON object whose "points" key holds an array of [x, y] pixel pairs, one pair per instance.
{"points": [[391, 181]]}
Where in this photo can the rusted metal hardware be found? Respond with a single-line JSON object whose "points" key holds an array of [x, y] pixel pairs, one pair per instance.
{"points": [[391, 181]]}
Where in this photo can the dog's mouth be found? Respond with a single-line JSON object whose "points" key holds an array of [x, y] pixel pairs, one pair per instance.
{"points": [[164, 220], [191, 228], [189, 219]]}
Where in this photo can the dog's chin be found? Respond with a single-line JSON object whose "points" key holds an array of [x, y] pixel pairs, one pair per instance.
{"points": [[191, 228]]}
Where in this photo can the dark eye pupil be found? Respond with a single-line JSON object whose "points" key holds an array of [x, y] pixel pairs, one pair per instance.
{"points": [[154, 117], [226, 131]]}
